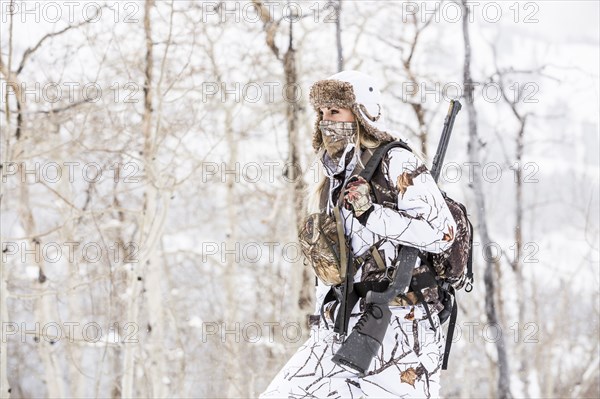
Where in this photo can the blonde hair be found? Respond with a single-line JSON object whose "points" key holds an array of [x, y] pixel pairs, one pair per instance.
{"points": [[314, 188]]}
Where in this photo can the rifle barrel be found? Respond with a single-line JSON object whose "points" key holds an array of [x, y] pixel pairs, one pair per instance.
{"points": [[438, 160]]}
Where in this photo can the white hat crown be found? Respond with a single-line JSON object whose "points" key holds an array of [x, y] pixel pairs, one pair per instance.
{"points": [[366, 90]]}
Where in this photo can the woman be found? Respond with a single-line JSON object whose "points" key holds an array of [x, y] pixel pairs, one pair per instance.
{"points": [[349, 126]]}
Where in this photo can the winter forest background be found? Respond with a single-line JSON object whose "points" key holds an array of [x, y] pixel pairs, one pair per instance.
{"points": [[154, 157]]}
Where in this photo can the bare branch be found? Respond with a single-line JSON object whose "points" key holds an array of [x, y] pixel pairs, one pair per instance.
{"points": [[47, 36]]}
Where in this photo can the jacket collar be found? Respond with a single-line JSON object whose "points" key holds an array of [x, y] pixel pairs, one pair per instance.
{"points": [[346, 163]]}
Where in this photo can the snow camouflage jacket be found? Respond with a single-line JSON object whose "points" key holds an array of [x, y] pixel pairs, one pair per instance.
{"points": [[409, 361], [408, 209]]}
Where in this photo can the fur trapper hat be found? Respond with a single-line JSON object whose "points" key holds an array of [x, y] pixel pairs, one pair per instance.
{"points": [[356, 91]]}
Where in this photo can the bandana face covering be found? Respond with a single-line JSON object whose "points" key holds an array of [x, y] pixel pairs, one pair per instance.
{"points": [[336, 136]]}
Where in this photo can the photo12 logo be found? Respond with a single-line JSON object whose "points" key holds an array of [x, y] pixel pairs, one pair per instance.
{"points": [[54, 172], [70, 11], [455, 12], [70, 331], [251, 332], [490, 92], [71, 92], [268, 11], [69, 251]]}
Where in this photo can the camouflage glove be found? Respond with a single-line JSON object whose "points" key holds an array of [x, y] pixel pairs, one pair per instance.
{"points": [[357, 197]]}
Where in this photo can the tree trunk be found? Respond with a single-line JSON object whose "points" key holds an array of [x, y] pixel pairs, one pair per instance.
{"points": [[232, 357], [44, 311], [503, 386], [301, 287], [301, 276], [130, 349], [4, 319], [152, 224], [517, 263], [338, 36]]}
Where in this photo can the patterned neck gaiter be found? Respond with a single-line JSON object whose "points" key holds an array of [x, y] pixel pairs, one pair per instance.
{"points": [[336, 136]]}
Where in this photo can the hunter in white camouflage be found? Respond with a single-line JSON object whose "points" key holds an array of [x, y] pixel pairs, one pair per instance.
{"points": [[404, 206]]}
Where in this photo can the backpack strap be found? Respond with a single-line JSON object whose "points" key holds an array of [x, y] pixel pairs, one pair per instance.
{"points": [[369, 170], [451, 291], [377, 257], [451, 326], [469, 286]]}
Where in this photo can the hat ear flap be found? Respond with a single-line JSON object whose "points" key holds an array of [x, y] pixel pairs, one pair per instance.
{"points": [[317, 135]]}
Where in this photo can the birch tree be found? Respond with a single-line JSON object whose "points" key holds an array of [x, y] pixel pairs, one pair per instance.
{"points": [[503, 387], [17, 152], [301, 294]]}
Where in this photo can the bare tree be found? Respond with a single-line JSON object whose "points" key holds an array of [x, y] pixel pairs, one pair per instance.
{"points": [[338, 36], [517, 262], [17, 152], [301, 279], [152, 221], [503, 386], [407, 45]]}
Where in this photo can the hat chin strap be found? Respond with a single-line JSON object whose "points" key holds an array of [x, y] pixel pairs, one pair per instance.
{"points": [[368, 115]]}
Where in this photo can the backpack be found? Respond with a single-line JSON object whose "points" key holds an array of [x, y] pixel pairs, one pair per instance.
{"points": [[319, 242], [447, 271]]}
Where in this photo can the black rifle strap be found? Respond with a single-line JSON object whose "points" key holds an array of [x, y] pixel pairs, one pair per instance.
{"points": [[451, 326], [404, 270], [422, 281], [421, 299]]}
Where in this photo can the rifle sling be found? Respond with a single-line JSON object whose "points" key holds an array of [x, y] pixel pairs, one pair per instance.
{"points": [[344, 250]]}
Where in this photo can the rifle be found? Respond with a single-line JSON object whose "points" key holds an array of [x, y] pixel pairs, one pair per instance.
{"points": [[361, 346]]}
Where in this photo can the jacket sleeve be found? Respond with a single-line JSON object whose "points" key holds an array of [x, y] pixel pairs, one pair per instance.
{"points": [[422, 218]]}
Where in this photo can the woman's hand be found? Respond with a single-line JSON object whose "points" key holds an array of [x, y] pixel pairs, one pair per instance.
{"points": [[357, 197]]}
